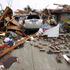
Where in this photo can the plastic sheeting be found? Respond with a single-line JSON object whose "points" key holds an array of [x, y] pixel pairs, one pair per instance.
{"points": [[52, 32]]}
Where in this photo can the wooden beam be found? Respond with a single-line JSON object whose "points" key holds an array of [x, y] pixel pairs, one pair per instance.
{"points": [[7, 10], [21, 41], [13, 27]]}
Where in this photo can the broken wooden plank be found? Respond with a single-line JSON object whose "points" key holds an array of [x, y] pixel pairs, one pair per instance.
{"points": [[38, 46], [14, 22], [13, 28], [51, 51], [21, 41], [7, 12]]}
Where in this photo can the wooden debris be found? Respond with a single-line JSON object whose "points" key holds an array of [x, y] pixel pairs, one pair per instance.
{"points": [[2, 33], [7, 12], [14, 22], [51, 51], [57, 48], [13, 28], [42, 50], [38, 46], [21, 41], [59, 58], [53, 48]]}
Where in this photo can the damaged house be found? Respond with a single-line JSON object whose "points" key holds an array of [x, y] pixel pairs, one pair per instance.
{"points": [[63, 16]]}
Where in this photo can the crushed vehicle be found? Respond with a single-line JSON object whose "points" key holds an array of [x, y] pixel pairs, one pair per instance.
{"points": [[32, 23]]}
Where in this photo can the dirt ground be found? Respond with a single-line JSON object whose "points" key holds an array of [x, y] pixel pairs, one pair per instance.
{"points": [[31, 58]]}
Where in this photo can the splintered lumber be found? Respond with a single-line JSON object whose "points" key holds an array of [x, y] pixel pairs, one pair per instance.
{"points": [[13, 28], [20, 33], [7, 11], [19, 42], [14, 22]]}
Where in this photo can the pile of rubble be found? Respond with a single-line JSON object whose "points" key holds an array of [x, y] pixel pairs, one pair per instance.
{"points": [[58, 46], [8, 43], [11, 37], [8, 22]]}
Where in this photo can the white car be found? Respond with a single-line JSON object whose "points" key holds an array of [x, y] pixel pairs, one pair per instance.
{"points": [[33, 22]]}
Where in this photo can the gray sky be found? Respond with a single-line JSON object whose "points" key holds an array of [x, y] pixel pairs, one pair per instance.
{"points": [[35, 4]]}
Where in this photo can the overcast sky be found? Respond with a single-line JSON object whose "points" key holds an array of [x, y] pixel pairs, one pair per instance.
{"points": [[35, 4]]}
